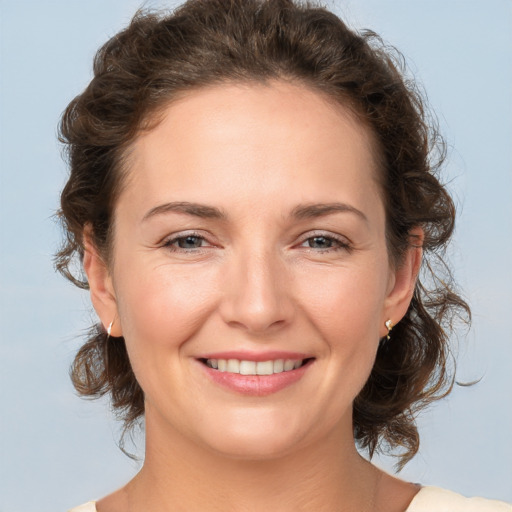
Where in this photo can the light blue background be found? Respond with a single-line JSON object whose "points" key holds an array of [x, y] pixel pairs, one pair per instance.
{"points": [[56, 450]]}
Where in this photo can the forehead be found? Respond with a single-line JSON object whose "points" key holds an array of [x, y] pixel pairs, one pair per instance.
{"points": [[253, 140]]}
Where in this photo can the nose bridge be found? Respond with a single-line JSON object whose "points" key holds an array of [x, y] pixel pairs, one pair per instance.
{"points": [[258, 296]]}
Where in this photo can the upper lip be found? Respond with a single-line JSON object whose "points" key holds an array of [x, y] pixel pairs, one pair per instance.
{"points": [[243, 355]]}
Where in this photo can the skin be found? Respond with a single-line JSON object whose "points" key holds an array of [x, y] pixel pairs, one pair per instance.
{"points": [[257, 278]]}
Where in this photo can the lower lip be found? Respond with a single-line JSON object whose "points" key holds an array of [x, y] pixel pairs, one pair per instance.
{"points": [[256, 385]]}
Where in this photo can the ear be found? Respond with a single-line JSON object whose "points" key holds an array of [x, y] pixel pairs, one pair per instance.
{"points": [[101, 288], [403, 281]]}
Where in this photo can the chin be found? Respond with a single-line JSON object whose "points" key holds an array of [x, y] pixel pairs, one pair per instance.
{"points": [[255, 438]]}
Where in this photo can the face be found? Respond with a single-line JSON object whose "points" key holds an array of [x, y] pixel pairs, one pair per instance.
{"points": [[250, 276]]}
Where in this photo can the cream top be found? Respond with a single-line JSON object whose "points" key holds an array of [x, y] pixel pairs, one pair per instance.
{"points": [[428, 499]]}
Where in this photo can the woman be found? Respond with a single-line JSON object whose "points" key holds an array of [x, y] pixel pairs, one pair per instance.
{"points": [[252, 194]]}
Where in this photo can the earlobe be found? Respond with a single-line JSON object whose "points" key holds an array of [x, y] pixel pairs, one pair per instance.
{"points": [[100, 285], [404, 279]]}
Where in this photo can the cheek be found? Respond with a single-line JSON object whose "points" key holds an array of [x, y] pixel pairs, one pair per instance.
{"points": [[345, 308], [161, 308], [345, 301]]}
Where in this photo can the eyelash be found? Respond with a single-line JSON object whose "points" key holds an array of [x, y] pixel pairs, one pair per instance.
{"points": [[170, 243], [337, 243]]}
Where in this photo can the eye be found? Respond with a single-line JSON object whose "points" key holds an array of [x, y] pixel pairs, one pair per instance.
{"points": [[320, 242], [189, 242], [186, 242], [325, 243]]}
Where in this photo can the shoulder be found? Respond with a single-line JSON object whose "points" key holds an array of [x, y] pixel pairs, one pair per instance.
{"points": [[434, 499], [86, 507]]}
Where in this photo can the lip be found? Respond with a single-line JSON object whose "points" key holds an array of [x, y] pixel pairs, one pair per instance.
{"points": [[256, 385]]}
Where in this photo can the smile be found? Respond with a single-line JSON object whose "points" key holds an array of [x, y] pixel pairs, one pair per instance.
{"points": [[245, 367], [262, 375]]}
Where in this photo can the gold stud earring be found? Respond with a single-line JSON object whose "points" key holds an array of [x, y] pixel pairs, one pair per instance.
{"points": [[389, 327]]}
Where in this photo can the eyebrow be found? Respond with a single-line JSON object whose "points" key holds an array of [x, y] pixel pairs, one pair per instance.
{"points": [[322, 209], [210, 212], [195, 209]]}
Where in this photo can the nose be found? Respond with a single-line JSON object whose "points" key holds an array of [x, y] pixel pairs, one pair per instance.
{"points": [[257, 297]]}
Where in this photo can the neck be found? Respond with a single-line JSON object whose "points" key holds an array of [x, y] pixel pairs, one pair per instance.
{"points": [[178, 474]]}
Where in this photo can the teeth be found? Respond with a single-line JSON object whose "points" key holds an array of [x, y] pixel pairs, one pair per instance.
{"points": [[253, 367], [233, 366], [247, 368], [265, 368], [289, 365], [279, 365]]}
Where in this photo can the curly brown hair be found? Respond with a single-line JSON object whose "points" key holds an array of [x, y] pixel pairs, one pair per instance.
{"points": [[204, 42]]}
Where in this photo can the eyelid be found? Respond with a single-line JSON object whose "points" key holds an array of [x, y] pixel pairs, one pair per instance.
{"points": [[169, 240], [343, 242]]}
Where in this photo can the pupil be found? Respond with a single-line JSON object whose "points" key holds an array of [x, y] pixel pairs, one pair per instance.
{"points": [[189, 242], [320, 242]]}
